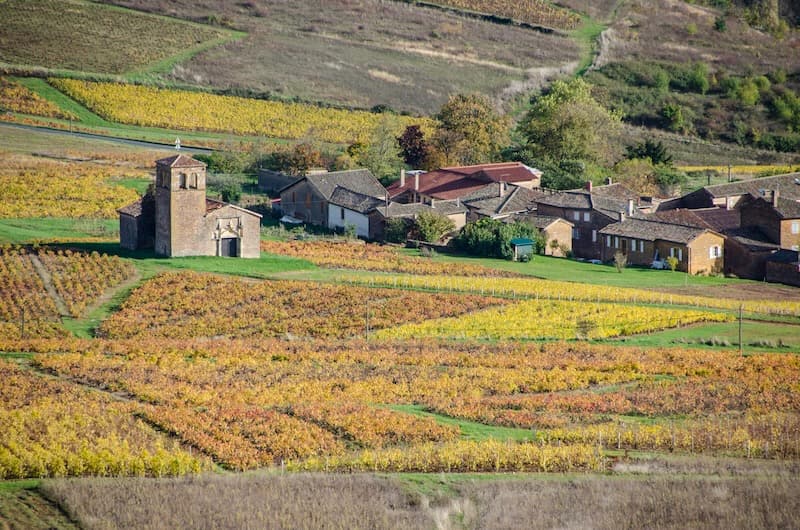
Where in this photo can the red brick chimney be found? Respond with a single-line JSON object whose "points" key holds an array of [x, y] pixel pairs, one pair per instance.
{"points": [[589, 186]]}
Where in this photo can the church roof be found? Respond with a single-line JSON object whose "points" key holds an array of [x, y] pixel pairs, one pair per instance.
{"points": [[179, 160], [134, 209]]}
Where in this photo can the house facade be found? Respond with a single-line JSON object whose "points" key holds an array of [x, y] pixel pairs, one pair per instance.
{"points": [[186, 223], [308, 199], [643, 241], [777, 217], [590, 210]]}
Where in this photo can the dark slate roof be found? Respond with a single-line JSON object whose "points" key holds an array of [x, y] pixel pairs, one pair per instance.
{"points": [[134, 209], [785, 256], [752, 238], [352, 200], [213, 204], [179, 161], [609, 200], [396, 209], [788, 208], [358, 180], [489, 201], [788, 184], [652, 229], [714, 218]]}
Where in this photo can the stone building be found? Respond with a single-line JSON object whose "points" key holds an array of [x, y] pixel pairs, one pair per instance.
{"points": [[179, 220]]}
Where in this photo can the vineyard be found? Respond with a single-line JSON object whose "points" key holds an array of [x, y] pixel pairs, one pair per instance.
{"points": [[189, 304], [571, 291], [552, 319], [27, 307], [535, 12], [349, 255], [42, 188], [54, 429], [197, 111], [17, 98], [321, 405]]}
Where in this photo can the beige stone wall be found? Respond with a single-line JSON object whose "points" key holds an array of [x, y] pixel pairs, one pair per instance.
{"points": [[788, 239], [701, 260], [302, 201], [561, 232]]}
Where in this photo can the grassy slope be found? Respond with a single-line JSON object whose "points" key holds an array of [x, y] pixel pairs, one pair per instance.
{"points": [[22, 506], [43, 33]]}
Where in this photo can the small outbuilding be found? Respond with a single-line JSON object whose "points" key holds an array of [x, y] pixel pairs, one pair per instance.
{"points": [[523, 248]]}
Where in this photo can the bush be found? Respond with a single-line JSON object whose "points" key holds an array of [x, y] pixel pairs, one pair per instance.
{"points": [[620, 261], [432, 226], [720, 24], [231, 192], [492, 239], [396, 230], [672, 262]]}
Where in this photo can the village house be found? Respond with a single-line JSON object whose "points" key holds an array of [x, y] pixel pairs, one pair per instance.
{"points": [[784, 267], [590, 210], [557, 232], [645, 240], [179, 220], [452, 183], [453, 210], [500, 200], [308, 199], [729, 194], [777, 217]]}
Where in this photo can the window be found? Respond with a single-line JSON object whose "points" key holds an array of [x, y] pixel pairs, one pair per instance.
{"points": [[594, 236], [796, 227], [308, 200], [633, 245], [576, 234], [341, 213], [608, 241], [676, 253], [587, 216], [182, 180], [576, 216], [616, 242], [714, 252], [193, 181]]}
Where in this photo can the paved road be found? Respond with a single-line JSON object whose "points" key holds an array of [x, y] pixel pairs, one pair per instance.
{"points": [[90, 136]]}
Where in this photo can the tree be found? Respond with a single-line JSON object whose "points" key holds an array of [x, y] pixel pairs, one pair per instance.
{"points": [[567, 123], [295, 161], [231, 192], [413, 147], [382, 153], [432, 226], [655, 151], [474, 132], [396, 230], [620, 261]]}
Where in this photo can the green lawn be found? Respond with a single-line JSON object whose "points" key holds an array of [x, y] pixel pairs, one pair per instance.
{"points": [[470, 430], [19, 231], [756, 337], [576, 271]]}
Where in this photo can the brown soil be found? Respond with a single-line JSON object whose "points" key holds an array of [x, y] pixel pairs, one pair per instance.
{"points": [[762, 291]]}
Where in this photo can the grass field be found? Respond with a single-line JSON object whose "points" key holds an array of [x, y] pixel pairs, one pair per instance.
{"points": [[408, 57], [43, 35]]}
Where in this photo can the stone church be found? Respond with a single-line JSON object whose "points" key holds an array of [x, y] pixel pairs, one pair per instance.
{"points": [[177, 219]]}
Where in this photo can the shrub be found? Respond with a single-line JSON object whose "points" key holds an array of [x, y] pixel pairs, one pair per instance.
{"points": [[720, 24], [672, 262], [231, 192], [492, 238], [432, 226], [396, 230], [620, 261]]}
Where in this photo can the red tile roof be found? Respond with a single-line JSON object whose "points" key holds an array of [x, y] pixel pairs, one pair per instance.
{"points": [[453, 182]]}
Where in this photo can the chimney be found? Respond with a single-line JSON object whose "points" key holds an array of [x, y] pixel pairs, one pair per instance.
{"points": [[502, 188], [631, 208], [588, 186], [609, 181], [402, 177], [621, 216], [433, 203], [416, 181], [776, 193]]}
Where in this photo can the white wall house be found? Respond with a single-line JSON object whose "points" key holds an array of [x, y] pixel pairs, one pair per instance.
{"points": [[340, 218]]}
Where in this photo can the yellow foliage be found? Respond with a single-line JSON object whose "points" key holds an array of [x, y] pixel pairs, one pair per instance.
{"points": [[198, 111]]}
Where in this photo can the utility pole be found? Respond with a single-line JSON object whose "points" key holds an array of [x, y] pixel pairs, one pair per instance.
{"points": [[366, 320], [22, 323]]}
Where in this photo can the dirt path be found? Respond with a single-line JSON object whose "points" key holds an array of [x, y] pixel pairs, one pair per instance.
{"points": [[47, 278]]}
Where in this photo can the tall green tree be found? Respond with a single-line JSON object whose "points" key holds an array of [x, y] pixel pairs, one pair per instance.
{"points": [[567, 123], [382, 154], [471, 131]]}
